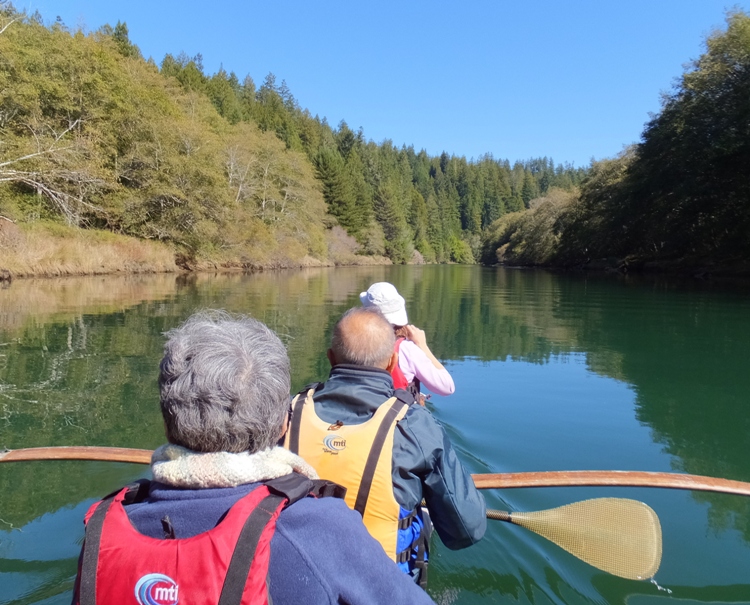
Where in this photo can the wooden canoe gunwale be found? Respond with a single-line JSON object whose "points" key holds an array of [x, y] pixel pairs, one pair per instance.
{"points": [[482, 481], [611, 479]]}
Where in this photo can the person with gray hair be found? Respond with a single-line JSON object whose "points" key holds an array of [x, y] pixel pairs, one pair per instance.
{"points": [[386, 449], [227, 517], [224, 384]]}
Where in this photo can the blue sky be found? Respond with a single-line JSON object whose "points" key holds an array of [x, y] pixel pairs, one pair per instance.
{"points": [[572, 80]]}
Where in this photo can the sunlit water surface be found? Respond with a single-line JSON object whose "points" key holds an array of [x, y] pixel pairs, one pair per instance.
{"points": [[553, 372]]}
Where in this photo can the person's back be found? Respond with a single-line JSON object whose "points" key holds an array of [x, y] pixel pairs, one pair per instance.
{"points": [[228, 517], [401, 453]]}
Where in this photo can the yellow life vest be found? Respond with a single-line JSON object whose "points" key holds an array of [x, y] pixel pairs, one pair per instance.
{"points": [[357, 456]]}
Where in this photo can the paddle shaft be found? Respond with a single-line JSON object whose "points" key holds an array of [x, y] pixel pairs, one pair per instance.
{"points": [[482, 481]]}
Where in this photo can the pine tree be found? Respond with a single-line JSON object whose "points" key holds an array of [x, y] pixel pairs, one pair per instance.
{"points": [[122, 40], [337, 189], [529, 189]]}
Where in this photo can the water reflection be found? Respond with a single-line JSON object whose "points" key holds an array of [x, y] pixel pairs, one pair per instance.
{"points": [[553, 371]]}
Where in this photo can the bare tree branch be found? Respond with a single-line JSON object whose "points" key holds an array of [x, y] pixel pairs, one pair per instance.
{"points": [[32, 155], [7, 25]]}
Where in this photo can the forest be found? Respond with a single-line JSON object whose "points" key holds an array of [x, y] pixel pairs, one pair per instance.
{"points": [[678, 200], [96, 139], [156, 164]]}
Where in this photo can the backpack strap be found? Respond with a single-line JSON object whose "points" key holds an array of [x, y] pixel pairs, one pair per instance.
{"points": [[415, 388]]}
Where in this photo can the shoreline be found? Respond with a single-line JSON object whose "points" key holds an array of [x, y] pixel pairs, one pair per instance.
{"points": [[48, 250], [683, 268]]}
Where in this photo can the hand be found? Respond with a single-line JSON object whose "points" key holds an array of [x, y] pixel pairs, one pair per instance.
{"points": [[416, 335]]}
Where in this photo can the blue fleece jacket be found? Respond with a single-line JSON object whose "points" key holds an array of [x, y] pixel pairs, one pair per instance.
{"points": [[424, 463], [321, 553]]}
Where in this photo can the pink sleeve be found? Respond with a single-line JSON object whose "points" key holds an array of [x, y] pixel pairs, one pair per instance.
{"points": [[413, 362]]}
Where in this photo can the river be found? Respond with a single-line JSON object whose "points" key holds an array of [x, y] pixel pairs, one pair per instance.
{"points": [[552, 372]]}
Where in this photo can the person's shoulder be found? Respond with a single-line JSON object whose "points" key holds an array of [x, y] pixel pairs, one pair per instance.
{"points": [[325, 533], [312, 513], [419, 432], [409, 348]]}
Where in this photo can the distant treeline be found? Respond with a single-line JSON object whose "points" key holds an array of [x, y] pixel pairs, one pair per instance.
{"points": [[679, 198], [95, 136]]}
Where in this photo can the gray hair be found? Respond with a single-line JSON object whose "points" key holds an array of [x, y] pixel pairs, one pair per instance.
{"points": [[224, 384], [363, 337]]}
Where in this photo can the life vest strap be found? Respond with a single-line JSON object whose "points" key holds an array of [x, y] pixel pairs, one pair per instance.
{"points": [[406, 521], [91, 552], [421, 544], [421, 562], [418, 543], [134, 492], [295, 487], [244, 550], [405, 396], [296, 416], [372, 458]]}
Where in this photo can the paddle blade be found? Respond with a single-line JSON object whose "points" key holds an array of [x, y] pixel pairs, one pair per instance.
{"points": [[616, 535]]}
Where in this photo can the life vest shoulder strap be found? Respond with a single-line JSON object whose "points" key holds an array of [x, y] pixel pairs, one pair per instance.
{"points": [[94, 520], [245, 548], [405, 396], [295, 414], [294, 487], [283, 492], [386, 426], [399, 379]]}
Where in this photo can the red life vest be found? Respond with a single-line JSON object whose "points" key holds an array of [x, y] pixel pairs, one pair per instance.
{"points": [[399, 380], [227, 565]]}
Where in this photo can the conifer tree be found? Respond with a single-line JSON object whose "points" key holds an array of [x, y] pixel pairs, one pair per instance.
{"points": [[529, 189], [337, 189]]}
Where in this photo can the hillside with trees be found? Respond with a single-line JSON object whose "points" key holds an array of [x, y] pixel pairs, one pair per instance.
{"points": [[680, 199], [95, 139]]}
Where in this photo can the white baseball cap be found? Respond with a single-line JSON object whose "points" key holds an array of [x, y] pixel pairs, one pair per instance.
{"points": [[385, 297]]}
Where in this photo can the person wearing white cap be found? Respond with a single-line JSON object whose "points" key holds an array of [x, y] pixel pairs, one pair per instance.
{"points": [[416, 363]]}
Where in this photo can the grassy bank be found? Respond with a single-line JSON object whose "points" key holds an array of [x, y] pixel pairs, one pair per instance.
{"points": [[45, 249], [49, 249]]}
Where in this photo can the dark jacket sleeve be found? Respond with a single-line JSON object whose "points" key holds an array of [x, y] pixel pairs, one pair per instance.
{"points": [[426, 466]]}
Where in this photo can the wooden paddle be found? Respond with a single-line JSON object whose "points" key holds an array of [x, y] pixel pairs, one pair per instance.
{"points": [[482, 481], [616, 535]]}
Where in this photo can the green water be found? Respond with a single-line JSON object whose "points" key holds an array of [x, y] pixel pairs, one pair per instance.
{"points": [[552, 372]]}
